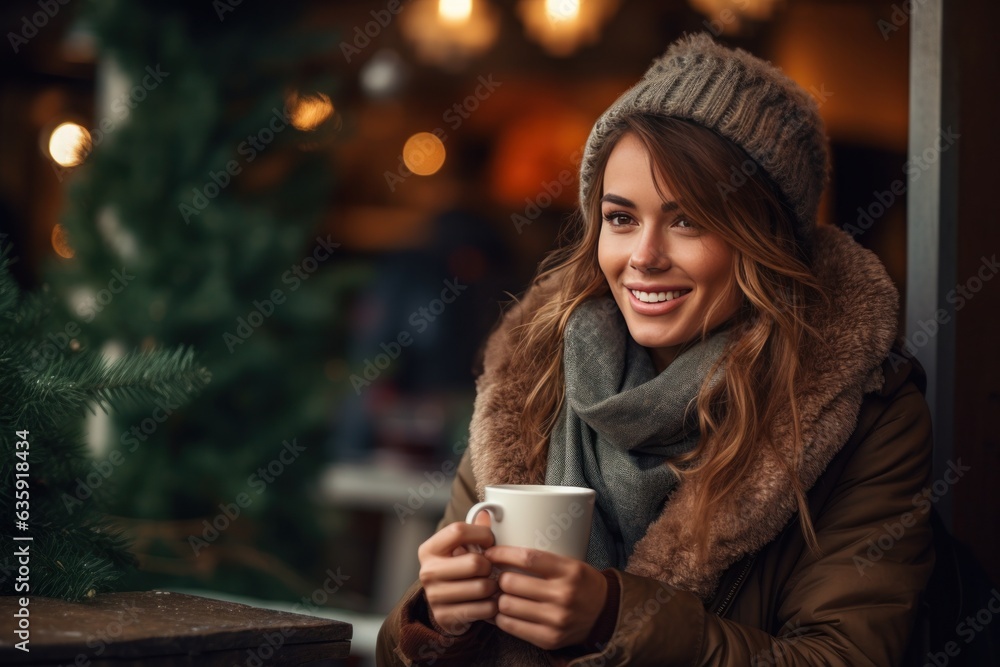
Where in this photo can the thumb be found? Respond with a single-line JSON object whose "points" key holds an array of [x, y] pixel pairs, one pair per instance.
{"points": [[483, 519]]}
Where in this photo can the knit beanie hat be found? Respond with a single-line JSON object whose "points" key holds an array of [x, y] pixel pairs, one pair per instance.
{"points": [[741, 97]]}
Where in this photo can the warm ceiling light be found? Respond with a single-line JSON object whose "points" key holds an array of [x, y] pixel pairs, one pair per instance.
{"points": [[69, 143], [423, 153], [563, 26], [562, 10], [447, 33], [455, 11], [728, 16]]}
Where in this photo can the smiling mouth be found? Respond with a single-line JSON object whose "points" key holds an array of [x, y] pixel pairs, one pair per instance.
{"points": [[657, 297]]}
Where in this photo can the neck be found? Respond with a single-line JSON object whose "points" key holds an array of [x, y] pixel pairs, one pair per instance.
{"points": [[662, 356]]}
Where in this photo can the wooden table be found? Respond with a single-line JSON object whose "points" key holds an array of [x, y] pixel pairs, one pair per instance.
{"points": [[159, 628]]}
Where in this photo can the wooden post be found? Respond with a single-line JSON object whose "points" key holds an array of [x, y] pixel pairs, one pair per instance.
{"points": [[932, 226]]}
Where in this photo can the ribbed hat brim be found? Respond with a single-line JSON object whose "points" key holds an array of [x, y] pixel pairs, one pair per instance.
{"points": [[742, 98]]}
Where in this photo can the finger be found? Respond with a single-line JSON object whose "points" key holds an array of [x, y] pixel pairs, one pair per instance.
{"points": [[481, 519], [466, 566], [523, 609], [454, 592], [533, 561], [453, 617], [454, 535], [541, 636], [528, 587]]}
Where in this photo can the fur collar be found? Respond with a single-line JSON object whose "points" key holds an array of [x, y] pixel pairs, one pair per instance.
{"points": [[860, 327]]}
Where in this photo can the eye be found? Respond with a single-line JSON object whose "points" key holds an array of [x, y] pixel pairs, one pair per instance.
{"points": [[684, 223], [617, 218]]}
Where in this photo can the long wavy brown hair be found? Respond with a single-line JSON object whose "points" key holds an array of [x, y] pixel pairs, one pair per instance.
{"points": [[771, 268]]}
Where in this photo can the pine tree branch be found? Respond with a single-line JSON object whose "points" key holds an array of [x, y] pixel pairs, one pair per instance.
{"points": [[76, 553]]}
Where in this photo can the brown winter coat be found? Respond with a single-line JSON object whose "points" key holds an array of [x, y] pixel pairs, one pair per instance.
{"points": [[762, 597]]}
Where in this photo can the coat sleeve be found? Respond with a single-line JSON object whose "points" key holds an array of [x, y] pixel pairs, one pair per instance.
{"points": [[410, 613], [463, 493], [851, 605]]}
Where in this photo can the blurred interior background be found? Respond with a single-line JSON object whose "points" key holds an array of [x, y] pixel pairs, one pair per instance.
{"points": [[331, 201]]}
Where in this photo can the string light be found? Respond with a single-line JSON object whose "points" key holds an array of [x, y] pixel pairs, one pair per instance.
{"points": [[562, 10], [447, 33], [729, 16], [423, 153], [69, 144], [563, 26], [455, 11], [309, 111], [60, 242]]}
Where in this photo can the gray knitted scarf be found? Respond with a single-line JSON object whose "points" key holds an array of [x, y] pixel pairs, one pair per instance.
{"points": [[619, 421]]}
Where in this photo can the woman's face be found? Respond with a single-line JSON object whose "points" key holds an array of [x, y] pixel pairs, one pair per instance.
{"points": [[649, 251]]}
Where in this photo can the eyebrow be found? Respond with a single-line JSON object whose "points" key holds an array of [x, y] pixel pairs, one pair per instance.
{"points": [[667, 207]]}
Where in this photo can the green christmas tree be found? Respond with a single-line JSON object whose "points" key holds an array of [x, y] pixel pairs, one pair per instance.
{"points": [[210, 195], [71, 548]]}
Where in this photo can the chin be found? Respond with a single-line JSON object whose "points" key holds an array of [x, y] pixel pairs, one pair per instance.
{"points": [[655, 340]]}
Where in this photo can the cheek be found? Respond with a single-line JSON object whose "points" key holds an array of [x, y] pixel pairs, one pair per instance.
{"points": [[723, 282], [605, 257], [716, 272]]}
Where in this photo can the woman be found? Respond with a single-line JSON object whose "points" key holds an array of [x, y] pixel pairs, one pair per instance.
{"points": [[722, 371]]}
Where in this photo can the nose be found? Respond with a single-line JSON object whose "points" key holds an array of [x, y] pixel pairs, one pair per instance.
{"points": [[649, 252]]}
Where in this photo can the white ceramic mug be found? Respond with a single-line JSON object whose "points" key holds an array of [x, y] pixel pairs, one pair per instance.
{"points": [[539, 516]]}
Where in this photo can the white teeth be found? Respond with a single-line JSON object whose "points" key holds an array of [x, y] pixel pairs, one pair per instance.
{"points": [[655, 297]]}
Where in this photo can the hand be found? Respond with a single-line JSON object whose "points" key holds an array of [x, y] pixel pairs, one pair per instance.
{"points": [[559, 611], [457, 582]]}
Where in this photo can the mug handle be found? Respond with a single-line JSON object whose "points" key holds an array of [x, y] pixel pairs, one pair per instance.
{"points": [[496, 514]]}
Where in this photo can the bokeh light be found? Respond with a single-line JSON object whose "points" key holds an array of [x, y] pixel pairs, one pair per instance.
{"points": [[563, 26], [562, 10], [383, 75], [455, 11], [423, 153], [310, 111], [60, 242], [447, 33], [69, 144]]}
